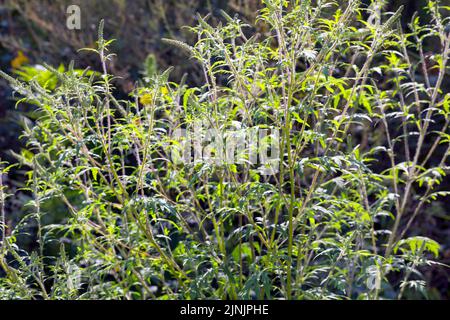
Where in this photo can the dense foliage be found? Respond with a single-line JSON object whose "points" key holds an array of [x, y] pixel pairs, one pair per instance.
{"points": [[329, 218]]}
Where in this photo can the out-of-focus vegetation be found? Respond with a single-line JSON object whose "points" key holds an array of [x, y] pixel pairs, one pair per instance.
{"points": [[38, 30], [358, 209]]}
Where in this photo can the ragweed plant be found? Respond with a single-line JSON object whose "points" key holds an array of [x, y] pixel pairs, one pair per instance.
{"points": [[359, 120]]}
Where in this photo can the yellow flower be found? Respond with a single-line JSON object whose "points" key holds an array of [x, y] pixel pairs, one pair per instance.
{"points": [[20, 60], [146, 99], [164, 91]]}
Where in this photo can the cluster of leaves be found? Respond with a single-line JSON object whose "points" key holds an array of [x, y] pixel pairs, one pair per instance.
{"points": [[354, 117]]}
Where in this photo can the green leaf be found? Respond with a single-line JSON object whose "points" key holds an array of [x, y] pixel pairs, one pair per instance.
{"points": [[417, 245]]}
